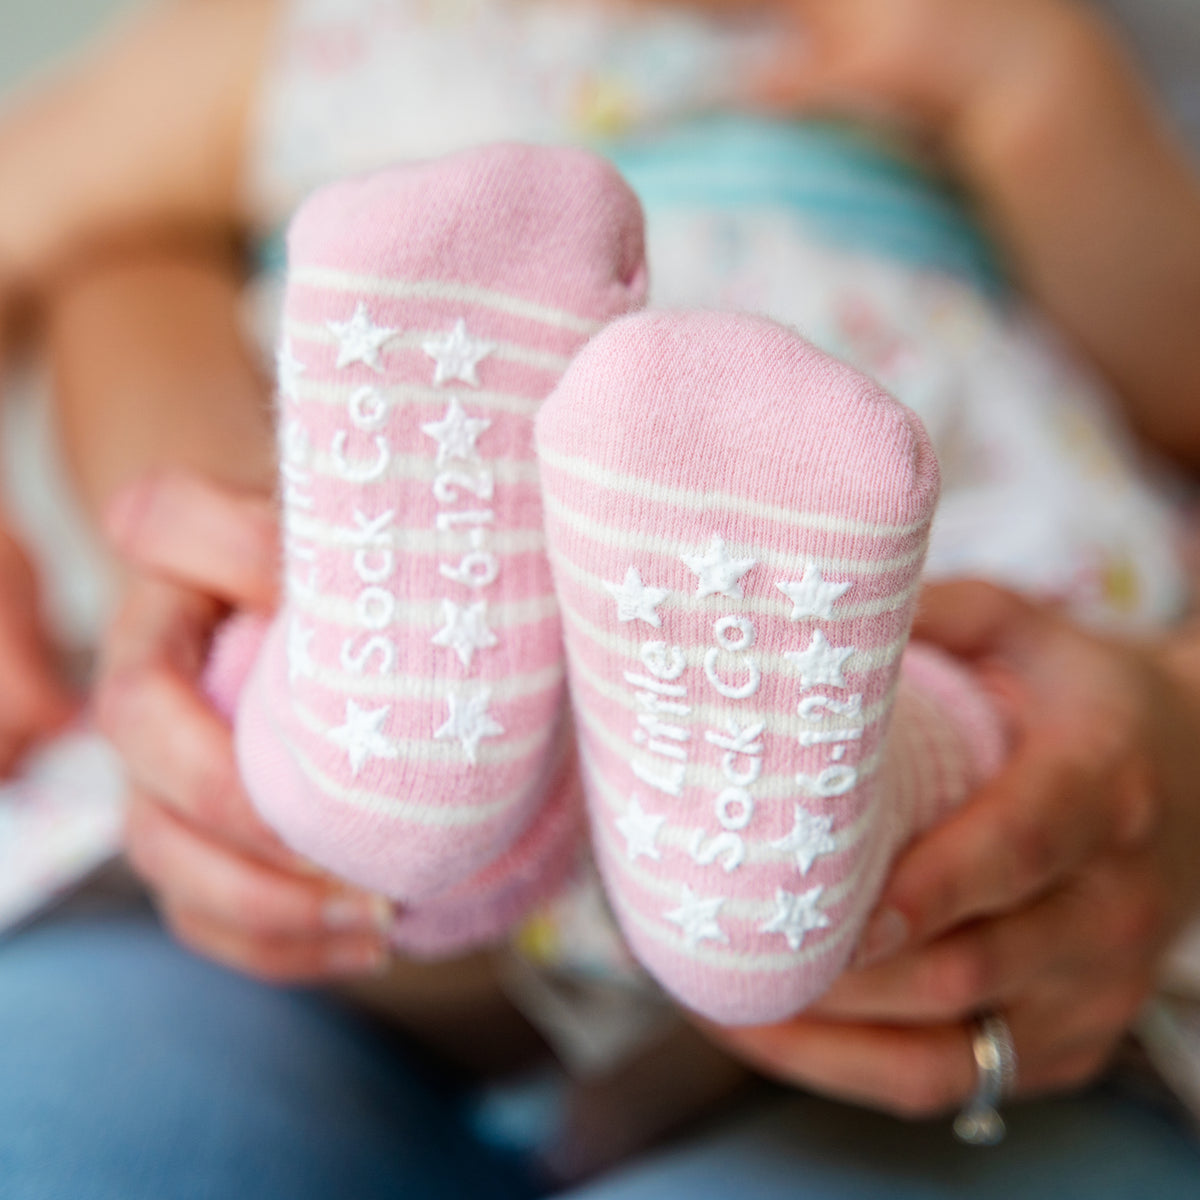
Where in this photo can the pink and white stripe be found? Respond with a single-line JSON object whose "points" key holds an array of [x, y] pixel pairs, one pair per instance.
{"points": [[737, 524], [400, 724]]}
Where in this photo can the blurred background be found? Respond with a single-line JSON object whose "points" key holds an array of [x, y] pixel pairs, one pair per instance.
{"points": [[37, 32], [35, 36]]}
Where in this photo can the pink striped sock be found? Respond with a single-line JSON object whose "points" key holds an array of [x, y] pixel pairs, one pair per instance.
{"points": [[494, 900], [737, 524], [399, 725], [487, 906]]}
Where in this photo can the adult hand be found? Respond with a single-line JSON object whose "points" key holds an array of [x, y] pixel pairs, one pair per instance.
{"points": [[1048, 896], [34, 701], [225, 883]]}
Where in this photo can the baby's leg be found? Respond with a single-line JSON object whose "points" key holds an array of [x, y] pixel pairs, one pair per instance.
{"points": [[402, 725], [737, 523]]}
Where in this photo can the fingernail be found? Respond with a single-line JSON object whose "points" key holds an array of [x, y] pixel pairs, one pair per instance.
{"points": [[358, 959], [885, 936], [344, 912]]}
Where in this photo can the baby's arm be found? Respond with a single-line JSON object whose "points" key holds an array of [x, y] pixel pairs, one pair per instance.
{"points": [[138, 141], [119, 198], [1034, 104]]}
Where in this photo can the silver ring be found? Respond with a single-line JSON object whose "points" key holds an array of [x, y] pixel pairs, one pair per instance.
{"points": [[980, 1123]]}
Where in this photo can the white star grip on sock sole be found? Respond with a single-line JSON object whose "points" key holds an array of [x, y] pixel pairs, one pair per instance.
{"points": [[736, 602], [403, 724]]}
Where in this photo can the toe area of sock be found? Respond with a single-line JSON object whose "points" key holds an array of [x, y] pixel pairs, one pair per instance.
{"points": [[706, 401], [536, 222], [698, 468]]}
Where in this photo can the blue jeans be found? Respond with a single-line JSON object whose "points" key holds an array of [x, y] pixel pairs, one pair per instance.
{"points": [[1100, 1145], [130, 1069]]}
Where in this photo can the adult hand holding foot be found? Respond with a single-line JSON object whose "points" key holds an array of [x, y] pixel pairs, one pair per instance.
{"points": [[1048, 897], [224, 882]]}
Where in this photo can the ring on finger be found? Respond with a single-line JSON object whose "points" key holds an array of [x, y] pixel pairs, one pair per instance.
{"points": [[980, 1122]]}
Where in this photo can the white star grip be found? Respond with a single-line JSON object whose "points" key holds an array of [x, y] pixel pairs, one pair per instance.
{"points": [[636, 601], [465, 631], [361, 736], [821, 663], [299, 651], [456, 355], [640, 830], [811, 838], [812, 595], [697, 917], [796, 915], [288, 369], [718, 573], [469, 721], [359, 339], [456, 434]]}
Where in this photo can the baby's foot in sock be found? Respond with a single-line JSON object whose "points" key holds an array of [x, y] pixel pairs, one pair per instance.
{"points": [[737, 523], [492, 902], [399, 725], [487, 906]]}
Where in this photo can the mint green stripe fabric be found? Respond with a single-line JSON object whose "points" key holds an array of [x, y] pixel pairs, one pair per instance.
{"points": [[847, 187]]}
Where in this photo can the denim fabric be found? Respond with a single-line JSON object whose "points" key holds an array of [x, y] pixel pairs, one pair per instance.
{"points": [[130, 1069], [1100, 1145]]}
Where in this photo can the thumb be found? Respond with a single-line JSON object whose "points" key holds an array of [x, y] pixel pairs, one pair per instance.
{"points": [[974, 619], [222, 542]]}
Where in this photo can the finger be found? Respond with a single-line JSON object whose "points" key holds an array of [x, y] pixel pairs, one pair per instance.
{"points": [[160, 622], [968, 618], [175, 746], [278, 960], [1024, 831], [1065, 1031], [206, 536], [1069, 1072], [1078, 1060], [1062, 1037], [971, 970], [208, 878], [913, 1072], [1073, 932], [181, 752]]}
